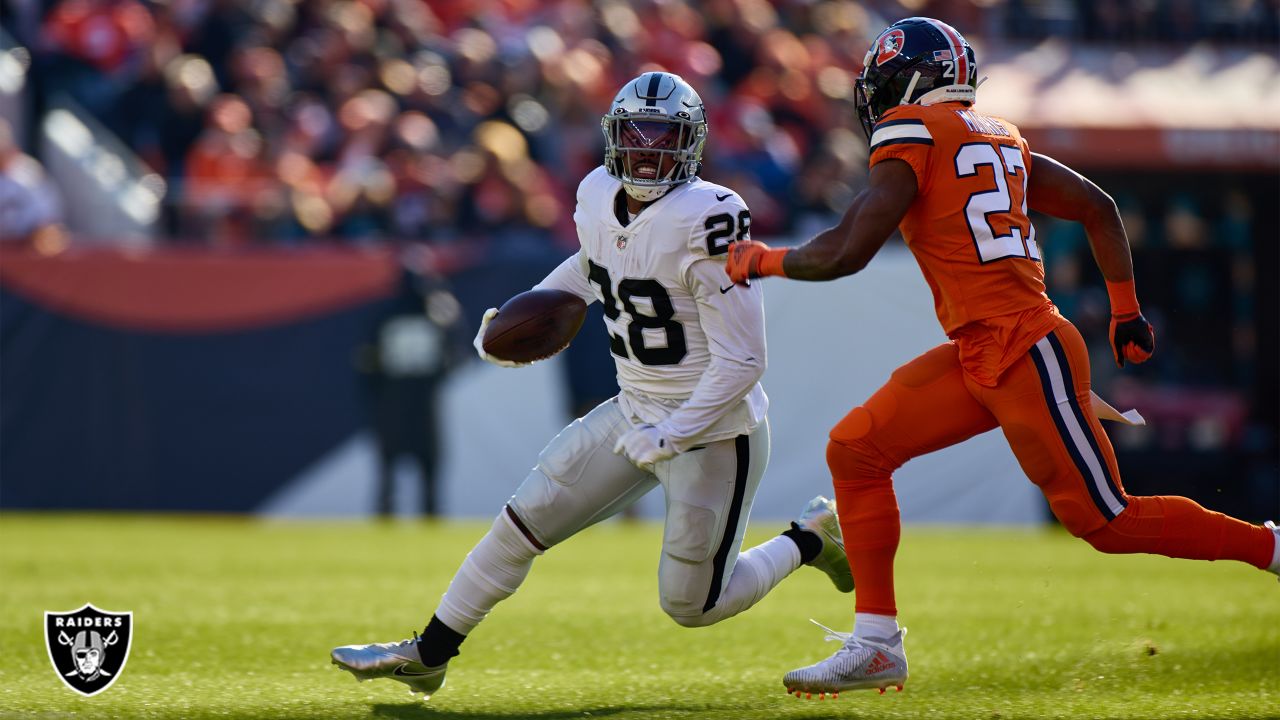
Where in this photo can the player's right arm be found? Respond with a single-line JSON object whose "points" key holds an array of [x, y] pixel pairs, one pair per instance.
{"points": [[1057, 190], [841, 250], [570, 276]]}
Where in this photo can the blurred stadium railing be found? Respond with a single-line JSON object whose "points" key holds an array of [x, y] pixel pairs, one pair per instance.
{"points": [[453, 134]]}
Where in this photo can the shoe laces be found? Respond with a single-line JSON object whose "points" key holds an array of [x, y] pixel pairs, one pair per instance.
{"points": [[403, 645], [843, 637], [854, 644]]}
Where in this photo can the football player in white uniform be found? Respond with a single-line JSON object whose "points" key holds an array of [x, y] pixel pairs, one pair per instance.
{"points": [[690, 349]]}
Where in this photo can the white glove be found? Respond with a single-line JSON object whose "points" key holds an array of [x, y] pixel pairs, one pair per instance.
{"points": [[490, 314], [645, 446]]}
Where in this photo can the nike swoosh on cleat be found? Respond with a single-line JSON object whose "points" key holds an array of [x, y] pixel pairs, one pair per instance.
{"points": [[722, 197], [400, 670], [725, 290]]}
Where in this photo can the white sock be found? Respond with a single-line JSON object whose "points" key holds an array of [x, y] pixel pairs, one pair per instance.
{"points": [[870, 625], [756, 572], [491, 572]]}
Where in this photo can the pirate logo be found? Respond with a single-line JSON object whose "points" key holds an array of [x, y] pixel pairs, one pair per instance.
{"points": [[88, 647]]}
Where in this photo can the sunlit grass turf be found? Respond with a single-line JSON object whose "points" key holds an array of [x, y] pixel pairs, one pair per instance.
{"points": [[235, 618]]}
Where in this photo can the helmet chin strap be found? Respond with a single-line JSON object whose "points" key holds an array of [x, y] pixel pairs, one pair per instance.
{"points": [[950, 93], [646, 193], [911, 87]]}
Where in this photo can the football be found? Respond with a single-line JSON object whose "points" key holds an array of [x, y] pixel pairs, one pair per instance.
{"points": [[534, 325]]}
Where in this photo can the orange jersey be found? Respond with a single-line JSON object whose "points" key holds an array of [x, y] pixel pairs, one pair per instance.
{"points": [[969, 231]]}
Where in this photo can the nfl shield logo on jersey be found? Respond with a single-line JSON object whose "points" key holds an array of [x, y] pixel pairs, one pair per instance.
{"points": [[88, 647], [621, 242]]}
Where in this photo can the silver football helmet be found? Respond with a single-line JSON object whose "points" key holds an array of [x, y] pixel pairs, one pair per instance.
{"points": [[656, 122]]}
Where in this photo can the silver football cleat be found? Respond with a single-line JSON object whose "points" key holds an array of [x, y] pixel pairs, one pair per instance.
{"points": [[398, 661], [860, 663], [819, 517]]}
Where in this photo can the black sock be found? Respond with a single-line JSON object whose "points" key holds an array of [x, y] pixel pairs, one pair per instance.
{"points": [[810, 545], [438, 643]]}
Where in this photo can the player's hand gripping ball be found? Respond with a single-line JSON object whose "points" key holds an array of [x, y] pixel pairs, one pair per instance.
{"points": [[531, 326]]}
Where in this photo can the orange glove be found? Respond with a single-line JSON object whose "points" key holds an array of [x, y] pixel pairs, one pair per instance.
{"points": [[752, 259], [1132, 337]]}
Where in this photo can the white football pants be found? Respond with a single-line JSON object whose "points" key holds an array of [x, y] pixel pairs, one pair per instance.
{"points": [[578, 481]]}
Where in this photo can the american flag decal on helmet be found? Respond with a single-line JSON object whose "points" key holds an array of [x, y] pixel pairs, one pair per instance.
{"points": [[942, 55]]}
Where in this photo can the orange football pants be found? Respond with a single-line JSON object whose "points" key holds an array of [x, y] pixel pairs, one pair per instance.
{"points": [[1042, 405]]}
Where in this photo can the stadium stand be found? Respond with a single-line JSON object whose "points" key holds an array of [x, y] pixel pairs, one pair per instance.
{"points": [[465, 126]]}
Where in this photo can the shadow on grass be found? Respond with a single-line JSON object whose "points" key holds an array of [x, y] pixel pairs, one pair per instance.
{"points": [[419, 711], [408, 711]]}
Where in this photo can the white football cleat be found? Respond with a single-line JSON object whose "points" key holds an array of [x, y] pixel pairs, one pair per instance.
{"points": [[819, 517], [1275, 552], [398, 661], [861, 663]]}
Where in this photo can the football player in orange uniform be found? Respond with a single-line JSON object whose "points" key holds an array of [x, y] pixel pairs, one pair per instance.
{"points": [[958, 185]]}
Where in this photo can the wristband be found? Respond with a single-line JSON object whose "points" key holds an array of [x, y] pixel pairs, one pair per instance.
{"points": [[1124, 298], [771, 262]]}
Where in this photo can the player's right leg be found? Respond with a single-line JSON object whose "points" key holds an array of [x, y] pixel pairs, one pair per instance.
{"points": [[925, 406], [577, 482], [1043, 405]]}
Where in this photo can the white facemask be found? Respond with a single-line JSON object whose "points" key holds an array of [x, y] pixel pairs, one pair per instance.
{"points": [[646, 193]]}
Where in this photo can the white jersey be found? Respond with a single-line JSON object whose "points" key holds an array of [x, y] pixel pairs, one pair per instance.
{"points": [[689, 345]]}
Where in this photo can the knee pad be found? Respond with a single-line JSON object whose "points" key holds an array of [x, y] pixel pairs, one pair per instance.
{"points": [[685, 573], [1079, 516], [680, 599], [860, 459], [1107, 540], [693, 621], [514, 535], [1129, 527], [531, 511]]}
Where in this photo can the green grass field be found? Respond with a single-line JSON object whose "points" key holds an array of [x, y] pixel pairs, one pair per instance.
{"points": [[234, 618]]}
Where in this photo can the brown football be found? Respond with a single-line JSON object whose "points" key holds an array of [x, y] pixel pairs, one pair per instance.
{"points": [[534, 325]]}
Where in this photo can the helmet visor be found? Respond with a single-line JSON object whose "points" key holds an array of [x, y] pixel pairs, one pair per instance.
{"points": [[650, 135]]}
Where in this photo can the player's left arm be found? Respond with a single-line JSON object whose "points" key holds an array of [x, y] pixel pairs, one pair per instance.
{"points": [[732, 320], [1057, 190], [733, 323], [841, 250]]}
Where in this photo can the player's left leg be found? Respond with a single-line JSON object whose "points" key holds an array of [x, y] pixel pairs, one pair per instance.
{"points": [[577, 482], [924, 406], [1043, 406], [702, 576]]}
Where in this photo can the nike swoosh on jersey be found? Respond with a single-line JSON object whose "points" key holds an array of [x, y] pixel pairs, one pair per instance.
{"points": [[722, 197], [400, 670], [725, 290]]}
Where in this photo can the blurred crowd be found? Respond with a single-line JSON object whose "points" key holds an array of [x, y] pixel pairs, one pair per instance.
{"points": [[281, 120], [471, 122], [1128, 21]]}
